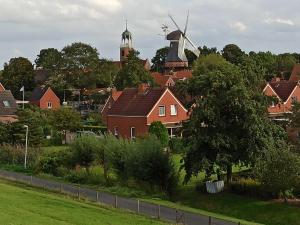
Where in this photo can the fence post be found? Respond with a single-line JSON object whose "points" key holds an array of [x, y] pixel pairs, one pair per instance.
{"points": [[31, 179], [239, 223], [158, 211], [209, 220], [97, 196], [138, 206], [116, 201], [78, 193]]}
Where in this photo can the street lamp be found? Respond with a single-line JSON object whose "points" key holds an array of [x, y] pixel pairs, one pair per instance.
{"points": [[26, 146]]}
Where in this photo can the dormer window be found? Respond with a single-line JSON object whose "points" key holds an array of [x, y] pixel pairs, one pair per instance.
{"points": [[6, 103]]}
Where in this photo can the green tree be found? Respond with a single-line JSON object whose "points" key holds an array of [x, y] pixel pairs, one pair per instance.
{"points": [[191, 57], [83, 150], [229, 123], [65, 119], [207, 51], [79, 63], [35, 121], [279, 169], [160, 131], [233, 54], [285, 64], [159, 60], [133, 73], [106, 71], [50, 59], [17, 73]]}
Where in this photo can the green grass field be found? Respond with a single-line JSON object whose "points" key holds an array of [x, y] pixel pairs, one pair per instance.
{"points": [[21, 205]]}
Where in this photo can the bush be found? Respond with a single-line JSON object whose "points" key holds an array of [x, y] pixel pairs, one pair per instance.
{"points": [[53, 162], [177, 145], [148, 162], [160, 131], [83, 150], [251, 188], [279, 170], [15, 155]]}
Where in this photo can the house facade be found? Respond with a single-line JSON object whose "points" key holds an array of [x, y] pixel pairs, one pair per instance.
{"points": [[136, 108], [114, 95], [8, 107], [45, 98], [287, 93]]}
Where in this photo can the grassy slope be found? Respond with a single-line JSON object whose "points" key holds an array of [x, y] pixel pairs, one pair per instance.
{"points": [[27, 206], [224, 206]]}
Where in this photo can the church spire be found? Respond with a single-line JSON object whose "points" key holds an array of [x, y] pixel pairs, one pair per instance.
{"points": [[126, 43]]}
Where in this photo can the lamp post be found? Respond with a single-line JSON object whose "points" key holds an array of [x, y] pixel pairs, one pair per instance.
{"points": [[26, 146]]}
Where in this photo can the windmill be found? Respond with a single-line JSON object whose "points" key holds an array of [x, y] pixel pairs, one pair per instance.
{"points": [[176, 57]]}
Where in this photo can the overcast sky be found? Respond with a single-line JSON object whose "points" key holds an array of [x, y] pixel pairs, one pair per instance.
{"points": [[26, 26]]}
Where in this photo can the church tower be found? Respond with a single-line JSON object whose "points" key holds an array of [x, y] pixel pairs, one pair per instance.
{"points": [[126, 44]]}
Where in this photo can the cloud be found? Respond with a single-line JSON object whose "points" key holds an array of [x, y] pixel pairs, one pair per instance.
{"points": [[280, 21], [238, 26]]}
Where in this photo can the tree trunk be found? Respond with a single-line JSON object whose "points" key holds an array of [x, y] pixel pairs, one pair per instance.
{"points": [[229, 174]]}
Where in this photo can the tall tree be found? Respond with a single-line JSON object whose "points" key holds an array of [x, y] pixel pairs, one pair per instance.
{"points": [[133, 73], [229, 123], [232, 53], [206, 50], [106, 71], [159, 60], [80, 61], [285, 64], [17, 73], [50, 59]]}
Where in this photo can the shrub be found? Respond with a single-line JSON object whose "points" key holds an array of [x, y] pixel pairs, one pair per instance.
{"points": [[83, 150], [279, 169], [15, 155], [148, 162], [160, 131], [251, 188], [53, 162], [177, 145]]}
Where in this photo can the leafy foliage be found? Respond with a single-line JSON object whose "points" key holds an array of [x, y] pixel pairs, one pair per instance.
{"points": [[160, 131], [17, 73], [233, 54], [133, 73]]}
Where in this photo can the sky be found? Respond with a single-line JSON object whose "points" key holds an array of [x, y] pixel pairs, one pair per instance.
{"points": [[27, 26]]}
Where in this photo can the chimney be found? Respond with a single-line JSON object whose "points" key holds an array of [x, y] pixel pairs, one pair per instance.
{"points": [[142, 88]]}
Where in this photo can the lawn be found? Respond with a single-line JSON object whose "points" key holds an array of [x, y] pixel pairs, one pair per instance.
{"points": [[225, 205], [21, 205]]}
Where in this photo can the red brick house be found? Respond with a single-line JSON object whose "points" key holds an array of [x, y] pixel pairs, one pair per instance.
{"points": [[45, 98], [109, 103], [136, 108], [287, 92]]}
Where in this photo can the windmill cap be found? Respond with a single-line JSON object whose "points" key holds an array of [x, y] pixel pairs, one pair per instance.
{"points": [[175, 35]]}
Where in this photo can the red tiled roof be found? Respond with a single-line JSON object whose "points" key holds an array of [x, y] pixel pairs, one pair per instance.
{"points": [[132, 103], [295, 76], [283, 88], [160, 79], [116, 95]]}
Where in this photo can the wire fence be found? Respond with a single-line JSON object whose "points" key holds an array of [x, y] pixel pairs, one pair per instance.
{"points": [[168, 214]]}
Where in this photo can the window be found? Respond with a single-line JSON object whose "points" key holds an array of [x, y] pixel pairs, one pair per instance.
{"points": [[294, 99], [173, 110], [132, 133], [49, 105], [116, 131], [6, 103], [273, 104], [162, 110]]}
